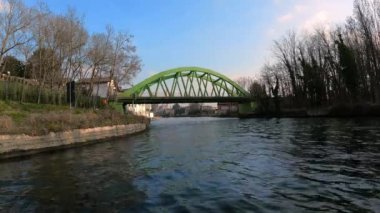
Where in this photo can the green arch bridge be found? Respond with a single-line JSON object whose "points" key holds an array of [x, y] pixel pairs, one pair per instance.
{"points": [[185, 85]]}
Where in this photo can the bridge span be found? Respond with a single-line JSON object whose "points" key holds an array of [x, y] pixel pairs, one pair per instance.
{"points": [[185, 85]]}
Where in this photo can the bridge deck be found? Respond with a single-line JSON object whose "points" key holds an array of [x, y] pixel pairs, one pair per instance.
{"points": [[164, 100]]}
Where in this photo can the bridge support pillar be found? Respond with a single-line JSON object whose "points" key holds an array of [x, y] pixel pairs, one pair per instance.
{"points": [[246, 109]]}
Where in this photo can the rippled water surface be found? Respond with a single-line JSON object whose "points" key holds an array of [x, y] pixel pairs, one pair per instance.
{"points": [[208, 164]]}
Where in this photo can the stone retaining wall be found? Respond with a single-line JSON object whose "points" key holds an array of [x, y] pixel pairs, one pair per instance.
{"points": [[18, 145]]}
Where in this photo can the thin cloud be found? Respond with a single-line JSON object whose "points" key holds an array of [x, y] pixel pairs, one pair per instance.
{"points": [[295, 12], [322, 18], [300, 8], [285, 18], [306, 15]]}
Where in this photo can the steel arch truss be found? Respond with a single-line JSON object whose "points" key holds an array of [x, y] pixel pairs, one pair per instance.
{"points": [[186, 82]]}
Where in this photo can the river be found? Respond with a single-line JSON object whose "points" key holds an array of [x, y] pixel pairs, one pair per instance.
{"points": [[207, 164]]}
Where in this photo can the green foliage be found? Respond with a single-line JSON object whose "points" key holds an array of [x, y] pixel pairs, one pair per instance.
{"points": [[13, 90], [348, 67], [28, 107], [13, 65], [259, 95], [18, 117], [44, 65], [313, 82], [257, 91], [194, 109], [116, 106], [177, 109]]}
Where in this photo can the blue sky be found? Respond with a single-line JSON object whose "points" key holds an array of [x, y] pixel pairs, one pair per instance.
{"points": [[233, 37]]}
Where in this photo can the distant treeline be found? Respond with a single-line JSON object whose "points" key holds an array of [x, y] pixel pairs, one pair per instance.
{"points": [[326, 67], [54, 49]]}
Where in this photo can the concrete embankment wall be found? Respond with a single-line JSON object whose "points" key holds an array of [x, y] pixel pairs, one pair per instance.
{"points": [[19, 145]]}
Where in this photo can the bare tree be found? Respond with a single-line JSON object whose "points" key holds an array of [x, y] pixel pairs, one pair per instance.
{"points": [[15, 20], [69, 40], [245, 82], [286, 51], [123, 62], [367, 14], [97, 57], [40, 63]]}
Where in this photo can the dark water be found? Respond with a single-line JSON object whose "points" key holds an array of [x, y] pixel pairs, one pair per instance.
{"points": [[204, 164]]}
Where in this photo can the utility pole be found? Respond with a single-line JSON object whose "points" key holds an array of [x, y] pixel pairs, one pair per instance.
{"points": [[7, 86]]}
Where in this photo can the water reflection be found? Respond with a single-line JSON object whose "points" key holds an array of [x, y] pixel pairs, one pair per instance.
{"points": [[204, 164], [94, 177], [335, 158]]}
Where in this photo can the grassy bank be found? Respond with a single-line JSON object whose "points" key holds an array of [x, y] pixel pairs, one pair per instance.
{"points": [[40, 119]]}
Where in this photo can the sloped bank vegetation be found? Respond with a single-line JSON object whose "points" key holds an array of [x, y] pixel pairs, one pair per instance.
{"points": [[34, 119]]}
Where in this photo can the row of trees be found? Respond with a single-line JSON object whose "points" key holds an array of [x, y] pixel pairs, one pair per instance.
{"points": [[55, 49], [328, 66]]}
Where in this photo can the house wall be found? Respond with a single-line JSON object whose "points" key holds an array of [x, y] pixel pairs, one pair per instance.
{"points": [[140, 109], [100, 90]]}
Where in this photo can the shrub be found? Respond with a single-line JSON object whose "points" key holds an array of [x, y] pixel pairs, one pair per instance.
{"points": [[6, 123]]}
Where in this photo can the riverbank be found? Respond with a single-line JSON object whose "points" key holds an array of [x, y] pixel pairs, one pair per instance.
{"points": [[41, 119], [336, 111], [32, 128], [21, 145]]}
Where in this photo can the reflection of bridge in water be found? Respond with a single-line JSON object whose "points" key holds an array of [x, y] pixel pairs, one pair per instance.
{"points": [[185, 85]]}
